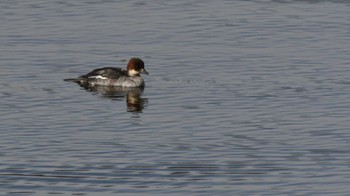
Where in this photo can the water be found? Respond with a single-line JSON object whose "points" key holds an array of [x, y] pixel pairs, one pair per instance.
{"points": [[243, 98]]}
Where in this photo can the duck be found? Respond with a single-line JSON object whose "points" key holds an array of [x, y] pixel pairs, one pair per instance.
{"points": [[115, 76]]}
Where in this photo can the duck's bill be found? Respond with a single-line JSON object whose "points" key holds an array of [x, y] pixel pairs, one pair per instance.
{"points": [[144, 71]]}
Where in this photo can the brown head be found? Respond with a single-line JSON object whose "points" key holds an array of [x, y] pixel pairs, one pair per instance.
{"points": [[135, 67]]}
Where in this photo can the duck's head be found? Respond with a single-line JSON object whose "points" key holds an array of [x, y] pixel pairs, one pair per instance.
{"points": [[135, 67]]}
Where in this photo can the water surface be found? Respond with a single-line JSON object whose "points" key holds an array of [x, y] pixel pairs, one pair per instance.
{"points": [[243, 98]]}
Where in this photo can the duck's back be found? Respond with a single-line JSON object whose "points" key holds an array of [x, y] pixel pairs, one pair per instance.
{"points": [[106, 72]]}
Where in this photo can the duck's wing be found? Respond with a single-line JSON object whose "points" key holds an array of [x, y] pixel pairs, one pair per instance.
{"points": [[106, 72]]}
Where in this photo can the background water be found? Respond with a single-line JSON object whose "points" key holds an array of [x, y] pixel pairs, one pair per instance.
{"points": [[243, 98]]}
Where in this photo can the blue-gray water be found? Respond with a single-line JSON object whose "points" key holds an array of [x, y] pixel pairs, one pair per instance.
{"points": [[243, 98]]}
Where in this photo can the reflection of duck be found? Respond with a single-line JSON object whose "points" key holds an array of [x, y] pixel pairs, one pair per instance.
{"points": [[112, 76], [134, 101]]}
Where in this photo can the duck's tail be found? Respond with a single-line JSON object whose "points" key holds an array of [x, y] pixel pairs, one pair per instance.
{"points": [[77, 80]]}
